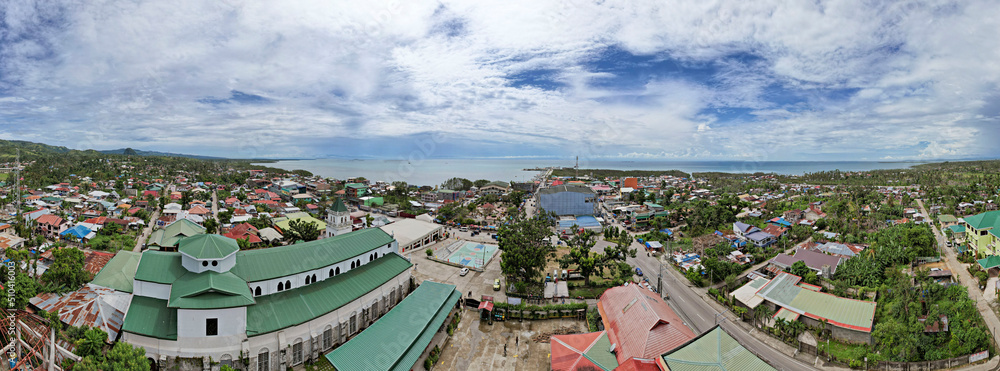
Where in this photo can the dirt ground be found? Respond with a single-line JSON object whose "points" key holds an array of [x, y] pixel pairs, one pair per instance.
{"points": [[478, 345]]}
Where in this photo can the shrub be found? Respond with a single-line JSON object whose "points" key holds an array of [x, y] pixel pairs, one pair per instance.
{"points": [[430, 252], [856, 364], [428, 364]]}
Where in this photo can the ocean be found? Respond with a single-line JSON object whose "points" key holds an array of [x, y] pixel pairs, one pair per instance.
{"points": [[436, 171]]}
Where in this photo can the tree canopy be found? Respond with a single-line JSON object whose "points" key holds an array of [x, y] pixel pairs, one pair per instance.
{"points": [[523, 247]]}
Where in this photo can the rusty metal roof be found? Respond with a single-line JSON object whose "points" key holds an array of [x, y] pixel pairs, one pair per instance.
{"points": [[91, 305], [640, 324]]}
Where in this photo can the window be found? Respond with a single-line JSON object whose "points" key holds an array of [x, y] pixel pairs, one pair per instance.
{"points": [[307, 280], [288, 285], [297, 353], [314, 278], [204, 263], [331, 272], [354, 322], [226, 360], [376, 255], [328, 338], [281, 286], [263, 360], [352, 265], [359, 262], [211, 326], [215, 263], [338, 271], [256, 292]]}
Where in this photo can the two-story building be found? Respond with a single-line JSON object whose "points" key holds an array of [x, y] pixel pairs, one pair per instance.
{"points": [[981, 232]]}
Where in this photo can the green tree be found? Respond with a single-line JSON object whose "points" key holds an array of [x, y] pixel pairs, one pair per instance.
{"points": [[480, 183], [799, 268], [458, 184], [110, 229], [211, 226], [587, 262], [92, 343], [67, 270], [523, 249], [27, 288], [302, 230]]}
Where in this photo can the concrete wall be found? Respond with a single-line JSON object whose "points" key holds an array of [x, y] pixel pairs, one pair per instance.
{"points": [[150, 289], [191, 323], [840, 333], [196, 265]]}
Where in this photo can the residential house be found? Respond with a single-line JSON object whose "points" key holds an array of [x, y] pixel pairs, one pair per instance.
{"points": [[50, 225], [495, 188], [982, 232], [825, 265]]}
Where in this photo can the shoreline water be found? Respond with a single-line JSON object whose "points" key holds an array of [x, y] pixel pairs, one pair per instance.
{"points": [[436, 171]]}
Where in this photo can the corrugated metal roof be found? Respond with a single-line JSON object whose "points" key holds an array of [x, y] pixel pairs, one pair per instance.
{"points": [[174, 232], [159, 267], [277, 311], [401, 336], [151, 317], [640, 323], [119, 272], [264, 264], [209, 290], [842, 312], [91, 305], [590, 351], [208, 246], [714, 350]]}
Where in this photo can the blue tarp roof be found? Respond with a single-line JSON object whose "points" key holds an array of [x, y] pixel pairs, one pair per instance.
{"points": [[78, 231], [668, 232]]}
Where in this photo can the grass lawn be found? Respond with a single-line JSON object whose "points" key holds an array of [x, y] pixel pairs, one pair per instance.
{"points": [[3, 176], [847, 352]]}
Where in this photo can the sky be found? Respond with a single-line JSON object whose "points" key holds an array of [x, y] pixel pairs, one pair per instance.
{"points": [[714, 80]]}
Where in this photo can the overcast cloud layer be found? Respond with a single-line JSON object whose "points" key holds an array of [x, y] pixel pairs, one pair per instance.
{"points": [[764, 80]]}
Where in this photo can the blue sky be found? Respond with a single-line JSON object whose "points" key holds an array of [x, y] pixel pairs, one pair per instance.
{"points": [[761, 80]]}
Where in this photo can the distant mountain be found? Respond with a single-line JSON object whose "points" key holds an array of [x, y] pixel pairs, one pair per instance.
{"points": [[138, 152], [29, 150]]}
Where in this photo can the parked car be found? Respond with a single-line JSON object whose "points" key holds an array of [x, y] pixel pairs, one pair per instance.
{"points": [[463, 272], [638, 272], [496, 285]]}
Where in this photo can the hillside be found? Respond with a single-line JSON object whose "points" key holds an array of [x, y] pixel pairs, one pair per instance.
{"points": [[139, 152]]}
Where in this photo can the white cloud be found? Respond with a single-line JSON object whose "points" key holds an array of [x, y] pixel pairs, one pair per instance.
{"points": [[833, 79]]}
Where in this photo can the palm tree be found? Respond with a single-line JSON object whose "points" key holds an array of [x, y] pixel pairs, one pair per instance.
{"points": [[779, 326], [765, 313]]}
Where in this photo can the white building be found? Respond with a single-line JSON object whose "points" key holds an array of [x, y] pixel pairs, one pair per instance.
{"points": [[277, 307]]}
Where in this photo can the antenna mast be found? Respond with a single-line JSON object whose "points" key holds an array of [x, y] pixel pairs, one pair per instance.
{"points": [[17, 183], [576, 168]]}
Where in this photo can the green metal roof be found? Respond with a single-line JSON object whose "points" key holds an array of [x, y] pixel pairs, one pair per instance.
{"points": [[402, 335], [842, 312], [209, 290], [151, 317], [713, 350], [600, 353], [958, 228], [160, 267], [174, 232], [119, 272], [987, 220], [338, 206], [989, 262], [355, 185], [947, 218], [208, 246], [264, 264], [289, 308]]}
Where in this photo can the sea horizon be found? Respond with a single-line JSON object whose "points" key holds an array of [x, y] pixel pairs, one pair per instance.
{"points": [[435, 171]]}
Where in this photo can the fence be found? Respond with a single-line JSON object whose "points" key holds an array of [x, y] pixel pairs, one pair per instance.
{"points": [[940, 364]]}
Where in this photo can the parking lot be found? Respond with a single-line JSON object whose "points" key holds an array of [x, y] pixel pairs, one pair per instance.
{"points": [[479, 283]]}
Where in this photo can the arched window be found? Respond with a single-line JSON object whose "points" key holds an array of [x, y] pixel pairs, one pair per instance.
{"points": [[338, 271], [288, 285], [352, 265], [314, 278], [281, 286], [331, 272], [256, 292], [263, 360], [359, 262], [307, 280], [376, 255]]}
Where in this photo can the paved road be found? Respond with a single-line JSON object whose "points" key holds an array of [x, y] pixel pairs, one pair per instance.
{"points": [[215, 205], [146, 231], [958, 268]]}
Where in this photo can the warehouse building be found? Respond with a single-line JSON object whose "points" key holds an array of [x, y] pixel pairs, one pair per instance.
{"points": [[570, 199], [277, 307], [413, 234]]}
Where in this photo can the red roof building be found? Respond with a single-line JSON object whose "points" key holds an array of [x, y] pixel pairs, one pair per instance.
{"points": [[775, 230], [244, 231], [640, 324], [198, 210], [577, 352]]}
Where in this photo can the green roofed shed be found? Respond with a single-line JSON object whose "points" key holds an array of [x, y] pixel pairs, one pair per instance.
{"points": [[289, 308], [119, 273], [402, 335], [947, 218], [208, 246], [711, 351], [151, 317], [174, 232]]}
